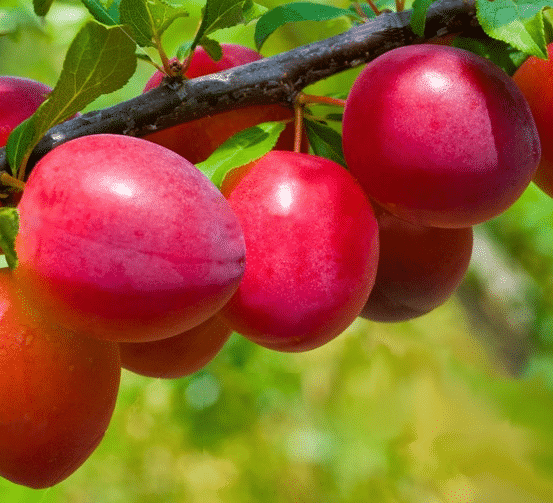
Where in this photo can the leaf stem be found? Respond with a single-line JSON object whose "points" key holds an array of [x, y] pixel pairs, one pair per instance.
{"points": [[11, 181], [374, 8], [304, 99]]}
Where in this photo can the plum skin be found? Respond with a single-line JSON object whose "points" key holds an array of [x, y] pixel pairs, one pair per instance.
{"points": [[197, 140], [439, 136], [177, 356], [124, 240], [58, 393], [418, 270], [19, 99], [312, 242], [535, 79]]}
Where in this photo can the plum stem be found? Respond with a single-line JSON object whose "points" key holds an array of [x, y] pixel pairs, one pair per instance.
{"points": [[298, 125]]}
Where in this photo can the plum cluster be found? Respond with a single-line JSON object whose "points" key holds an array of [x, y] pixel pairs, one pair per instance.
{"points": [[129, 257]]}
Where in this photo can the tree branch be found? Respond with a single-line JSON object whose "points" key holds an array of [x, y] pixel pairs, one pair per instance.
{"points": [[277, 79]]}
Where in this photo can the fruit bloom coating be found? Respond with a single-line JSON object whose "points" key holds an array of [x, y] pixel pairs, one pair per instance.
{"points": [[177, 356], [312, 242], [19, 99], [124, 240], [197, 140], [418, 270], [535, 79], [58, 392], [439, 136]]}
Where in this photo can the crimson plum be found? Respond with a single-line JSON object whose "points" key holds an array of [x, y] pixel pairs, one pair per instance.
{"points": [[124, 240], [439, 136], [179, 355], [312, 242], [535, 79], [198, 139], [19, 99], [418, 270], [58, 393]]}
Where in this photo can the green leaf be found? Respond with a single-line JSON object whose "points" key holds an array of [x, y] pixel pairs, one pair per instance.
{"points": [[101, 13], [418, 18], [548, 20], [498, 52], [42, 7], [365, 9], [149, 19], [219, 14], [144, 57], [113, 10], [253, 11], [20, 143], [242, 148], [9, 225], [325, 141], [135, 14], [213, 48], [334, 117], [99, 61], [184, 50], [297, 11], [519, 24]]}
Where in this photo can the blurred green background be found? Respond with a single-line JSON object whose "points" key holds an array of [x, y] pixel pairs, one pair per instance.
{"points": [[453, 407]]}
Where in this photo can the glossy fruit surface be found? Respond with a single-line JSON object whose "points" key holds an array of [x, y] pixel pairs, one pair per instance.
{"points": [[197, 140], [312, 242], [19, 99], [177, 356], [418, 270], [58, 392], [124, 240], [439, 136], [535, 79]]}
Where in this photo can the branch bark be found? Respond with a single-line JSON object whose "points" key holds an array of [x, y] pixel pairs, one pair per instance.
{"points": [[277, 79]]}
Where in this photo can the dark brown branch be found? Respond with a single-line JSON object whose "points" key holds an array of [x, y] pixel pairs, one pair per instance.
{"points": [[271, 80]]}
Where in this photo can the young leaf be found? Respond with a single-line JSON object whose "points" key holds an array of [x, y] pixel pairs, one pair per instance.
{"points": [[324, 141], [418, 18], [297, 11], [184, 50], [212, 47], [101, 13], [148, 19], [9, 225], [520, 24], [100, 60], [41, 7], [242, 148], [219, 14]]}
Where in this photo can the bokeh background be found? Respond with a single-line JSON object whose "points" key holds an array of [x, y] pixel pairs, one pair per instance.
{"points": [[453, 407]]}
